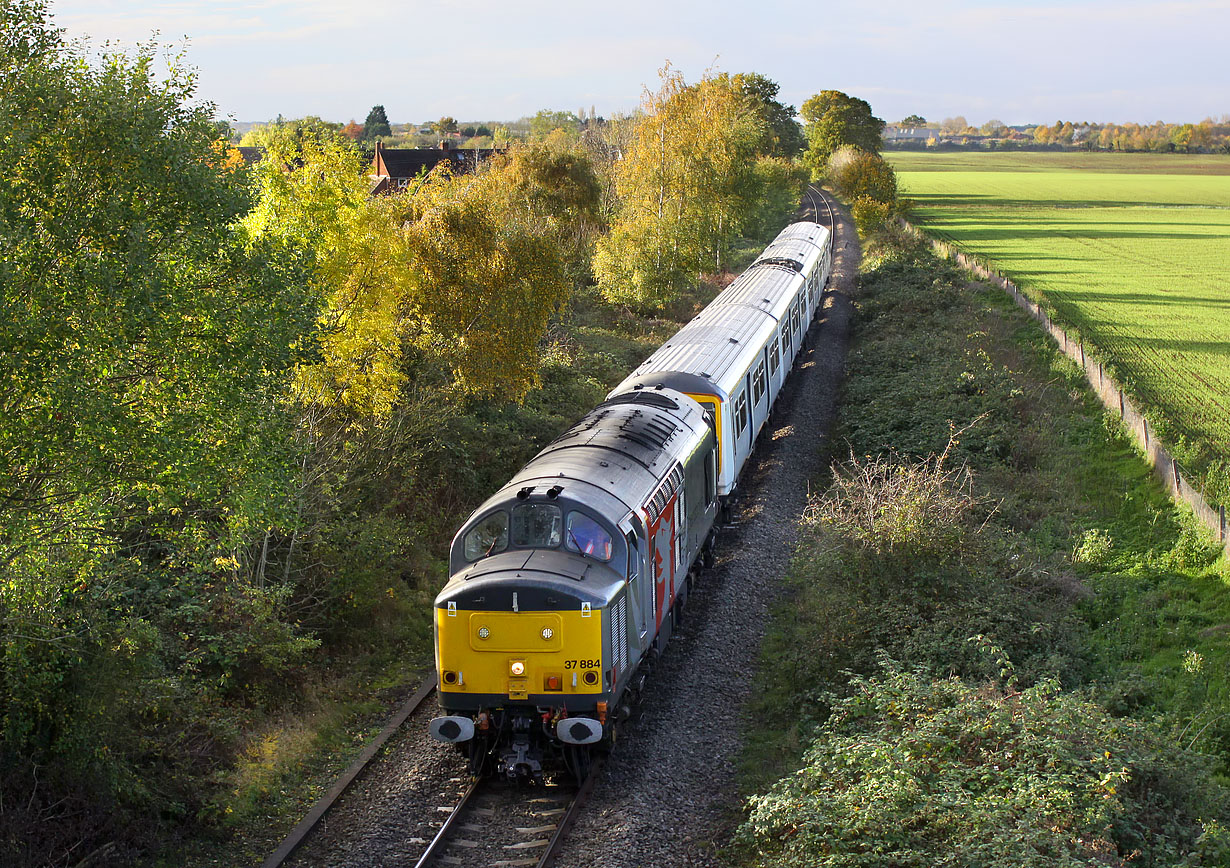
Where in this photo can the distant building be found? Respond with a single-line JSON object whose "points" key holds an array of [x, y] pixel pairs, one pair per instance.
{"points": [[395, 168], [896, 133], [251, 156]]}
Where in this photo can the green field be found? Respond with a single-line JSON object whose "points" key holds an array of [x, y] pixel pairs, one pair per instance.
{"points": [[1133, 250]]}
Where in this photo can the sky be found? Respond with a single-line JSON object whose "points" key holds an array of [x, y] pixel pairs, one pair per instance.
{"points": [[475, 60]]}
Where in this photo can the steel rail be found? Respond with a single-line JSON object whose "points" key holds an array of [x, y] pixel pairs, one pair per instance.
{"points": [[300, 833], [570, 817], [442, 833]]}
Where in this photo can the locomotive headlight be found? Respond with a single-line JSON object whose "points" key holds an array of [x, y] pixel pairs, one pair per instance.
{"points": [[517, 668], [547, 633], [483, 632]]}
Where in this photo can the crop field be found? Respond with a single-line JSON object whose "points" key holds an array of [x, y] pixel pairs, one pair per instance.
{"points": [[1133, 250]]}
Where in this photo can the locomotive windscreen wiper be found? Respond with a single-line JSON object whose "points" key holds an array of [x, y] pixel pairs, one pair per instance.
{"points": [[573, 536]]}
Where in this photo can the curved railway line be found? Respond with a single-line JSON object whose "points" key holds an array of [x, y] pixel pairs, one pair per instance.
{"points": [[493, 823]]}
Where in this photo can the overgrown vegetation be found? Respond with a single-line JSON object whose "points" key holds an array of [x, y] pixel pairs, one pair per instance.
{"points": [[999, 640]]}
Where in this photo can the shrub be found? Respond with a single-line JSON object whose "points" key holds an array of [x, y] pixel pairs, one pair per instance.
{"points": [[913, 771], [887, 505]]}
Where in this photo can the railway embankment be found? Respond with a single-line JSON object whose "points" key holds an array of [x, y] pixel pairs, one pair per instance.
{"points": [[1003, 643]]}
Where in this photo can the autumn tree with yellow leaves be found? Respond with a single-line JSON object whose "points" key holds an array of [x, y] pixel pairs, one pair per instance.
{"points": [[690, 183]]}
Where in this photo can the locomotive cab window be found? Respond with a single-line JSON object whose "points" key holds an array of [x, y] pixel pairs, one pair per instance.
{"points": [[488, 537], [537, 525], [586, 536]]}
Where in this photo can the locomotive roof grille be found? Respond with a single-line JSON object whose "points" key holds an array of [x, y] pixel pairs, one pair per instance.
{"points": [[664, 492], [783, 262]]}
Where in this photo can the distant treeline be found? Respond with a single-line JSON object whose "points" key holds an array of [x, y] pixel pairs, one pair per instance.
{"points": [[1207, 137]]}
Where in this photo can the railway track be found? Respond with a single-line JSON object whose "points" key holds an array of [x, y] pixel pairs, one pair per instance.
{"points": [[820, 210], [502, 825], [309, 823]]}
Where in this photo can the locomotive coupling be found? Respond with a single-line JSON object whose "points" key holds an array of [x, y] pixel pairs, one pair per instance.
{"points": [[451, 730]]}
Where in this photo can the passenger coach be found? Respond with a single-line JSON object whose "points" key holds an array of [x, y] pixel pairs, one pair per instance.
{"points": [[735, 355]]}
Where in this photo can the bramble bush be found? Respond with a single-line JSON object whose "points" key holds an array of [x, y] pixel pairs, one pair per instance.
{"points": [[910, 770]]}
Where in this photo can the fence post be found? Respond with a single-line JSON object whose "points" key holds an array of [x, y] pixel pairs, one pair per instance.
{"points": [[1145, 424], [1082, 352], [1174, 467], [1221, 515], [1122, 411]]}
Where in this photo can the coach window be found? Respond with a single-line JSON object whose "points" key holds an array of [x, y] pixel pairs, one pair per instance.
{"points": [[758, 383], [774, 358], [537, 525], [740, 416], [794, 318], [785, 340], [586, 536], [488, 537]]}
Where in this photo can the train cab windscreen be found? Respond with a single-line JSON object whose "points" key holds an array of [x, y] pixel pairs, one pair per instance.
{"points": [[488, 537], [537, 525], [587, 537]]}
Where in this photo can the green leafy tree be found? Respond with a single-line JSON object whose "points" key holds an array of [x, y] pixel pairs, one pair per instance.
{"points": [[783, 135], [145, 343], [832, 119], [546, 122], [483, 279], [377, 124], [913, 121], [310, 126], [444, 126], [553, 182], [867, 182]]}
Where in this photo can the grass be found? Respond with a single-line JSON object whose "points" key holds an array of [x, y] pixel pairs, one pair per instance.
{"points": [[1133, 251], [1067, 557]]}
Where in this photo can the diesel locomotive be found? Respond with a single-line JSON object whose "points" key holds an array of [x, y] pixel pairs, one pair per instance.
{"points": [[570, 577]]}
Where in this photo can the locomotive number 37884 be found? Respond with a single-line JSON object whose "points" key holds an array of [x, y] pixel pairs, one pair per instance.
{"points": [[582, 664]]}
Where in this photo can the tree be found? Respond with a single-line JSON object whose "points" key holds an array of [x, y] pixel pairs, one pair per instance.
{"points": [[913, 121], [546, 122], [145, 343], [683, 184], [783, 135], [954, 126], [553, 182], [833, 119], [299, 128], [994, 127], [483, 279], [377, 124], [444, 126], [352, 131]]}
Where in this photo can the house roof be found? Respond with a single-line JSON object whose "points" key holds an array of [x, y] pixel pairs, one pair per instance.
{"points": [[406, 163]]}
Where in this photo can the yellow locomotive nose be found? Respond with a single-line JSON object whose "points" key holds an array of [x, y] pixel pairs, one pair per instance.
{"points": [[519, 654]]}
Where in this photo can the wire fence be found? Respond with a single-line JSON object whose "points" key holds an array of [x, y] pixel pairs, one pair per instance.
{"points": [[1165, 465]]}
